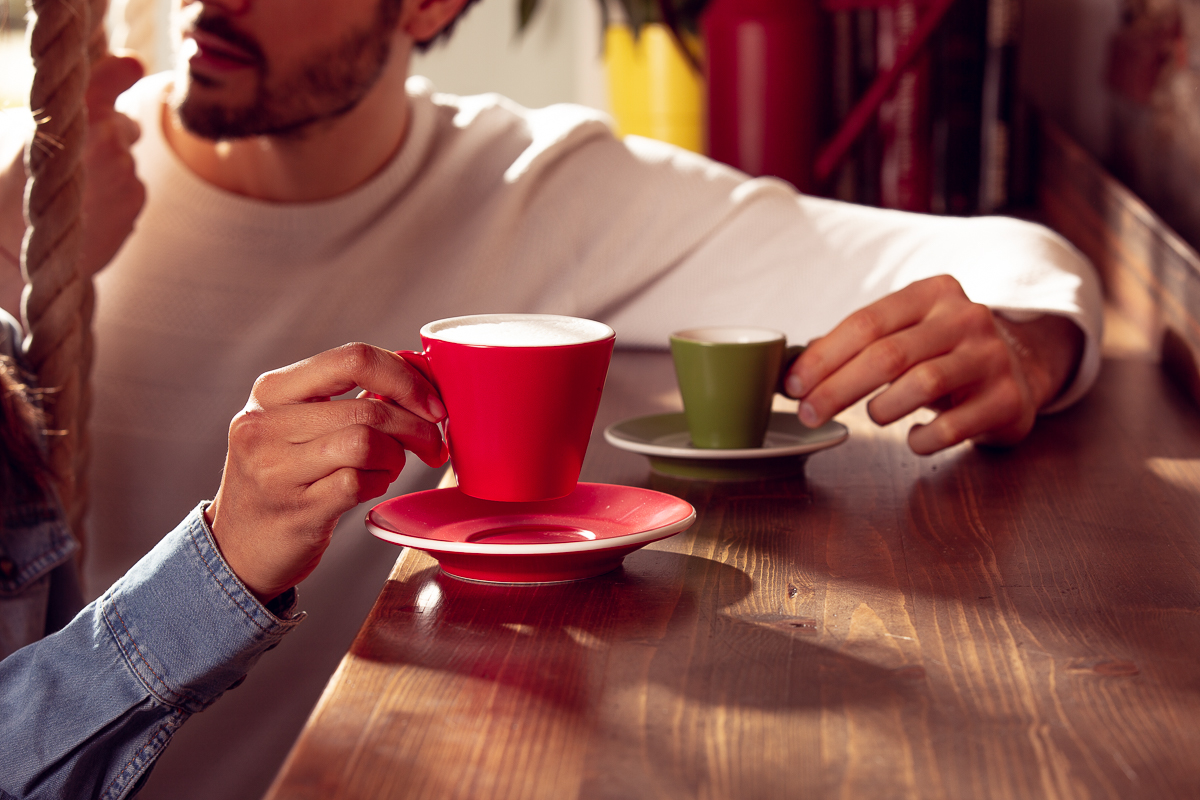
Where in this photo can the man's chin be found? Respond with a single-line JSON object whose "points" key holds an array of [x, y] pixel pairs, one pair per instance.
{"points": [[211, 122], [209, 117]]}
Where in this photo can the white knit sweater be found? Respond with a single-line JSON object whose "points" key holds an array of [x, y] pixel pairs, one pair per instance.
{"points": [[487, 207]]}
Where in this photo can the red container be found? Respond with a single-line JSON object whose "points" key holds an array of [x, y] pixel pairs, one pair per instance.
{"points": [[763, 70], [518, 418]]}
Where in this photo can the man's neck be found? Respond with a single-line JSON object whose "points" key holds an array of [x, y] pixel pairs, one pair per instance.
{"points": [[326, 160]]}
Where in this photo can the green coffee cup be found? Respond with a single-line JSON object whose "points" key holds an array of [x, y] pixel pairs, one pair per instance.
{"points": [[728, 376]]}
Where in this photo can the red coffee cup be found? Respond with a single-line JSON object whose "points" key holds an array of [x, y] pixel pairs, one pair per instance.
{"points": [[521, 393]]}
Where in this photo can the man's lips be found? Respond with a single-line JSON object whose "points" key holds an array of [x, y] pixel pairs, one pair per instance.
{"points": [[218, 53]]}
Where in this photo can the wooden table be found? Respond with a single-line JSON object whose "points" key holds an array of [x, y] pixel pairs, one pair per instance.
{"points": [[1006, 624]]}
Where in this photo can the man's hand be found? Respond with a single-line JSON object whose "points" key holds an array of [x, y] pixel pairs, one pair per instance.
{"points": [[112, 194], [298, 460], [932, 347]]}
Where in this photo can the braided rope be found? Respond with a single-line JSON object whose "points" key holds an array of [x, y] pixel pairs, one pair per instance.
{"points": [[58, 300]]}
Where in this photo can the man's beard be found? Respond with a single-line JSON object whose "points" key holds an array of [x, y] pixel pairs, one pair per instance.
{"points": [[327, 85]]}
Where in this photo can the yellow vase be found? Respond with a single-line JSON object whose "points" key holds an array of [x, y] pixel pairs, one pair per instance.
{"points": [[652, 89]]}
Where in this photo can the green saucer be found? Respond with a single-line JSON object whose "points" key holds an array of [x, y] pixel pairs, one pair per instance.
{"points": [[664, 439]]}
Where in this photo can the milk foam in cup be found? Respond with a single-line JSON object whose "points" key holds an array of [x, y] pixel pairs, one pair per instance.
{"points": [[521, 393], [509, 330]]}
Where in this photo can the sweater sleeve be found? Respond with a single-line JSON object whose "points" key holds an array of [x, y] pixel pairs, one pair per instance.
{"points": [[652, 239], [801, 264], [86, 711]]}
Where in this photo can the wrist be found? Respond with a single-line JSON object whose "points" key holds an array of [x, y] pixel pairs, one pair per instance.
{"points": [[1048, 349], [234, 560]]}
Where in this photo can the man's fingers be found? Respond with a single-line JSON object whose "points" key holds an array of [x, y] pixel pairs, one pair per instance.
{"points": [[996, 411], [337, 371], [126, 130], [925, 384], [108, 151], [111, 76], [882, 318], [880, 362]]}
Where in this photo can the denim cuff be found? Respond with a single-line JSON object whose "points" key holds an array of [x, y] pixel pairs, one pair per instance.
{"points": [[188, 628]]}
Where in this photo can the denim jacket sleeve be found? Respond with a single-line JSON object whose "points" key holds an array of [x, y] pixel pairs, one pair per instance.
{"points": [[86, 711]]}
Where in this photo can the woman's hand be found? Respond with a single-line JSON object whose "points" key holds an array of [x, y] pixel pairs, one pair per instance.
{"points": [[298, 460], [932, 347]]}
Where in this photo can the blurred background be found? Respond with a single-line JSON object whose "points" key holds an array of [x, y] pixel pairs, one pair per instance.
{"points": [[956, 133]]}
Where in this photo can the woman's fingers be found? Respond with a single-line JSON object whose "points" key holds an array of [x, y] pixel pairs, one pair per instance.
{"points": [[347, 487], [299, 423], [359, 447], [337, 371], [298, 459]]}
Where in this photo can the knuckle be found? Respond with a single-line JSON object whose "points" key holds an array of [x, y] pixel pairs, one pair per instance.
{"points": [[356, 356], [946, 432], [102, 136], [946, 285], [125, 164], [355, 442], [136, 197], [369, 413], [932, 380], [364, 440], [265, 382], [130, 128], [346, 484], [978, 318], [1007, 397], [889, 357], [996, 352], [248, 429], [866, 323], [813, 361]]}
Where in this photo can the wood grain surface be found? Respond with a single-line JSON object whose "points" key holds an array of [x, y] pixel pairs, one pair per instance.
{"points": [[1016, 623]]}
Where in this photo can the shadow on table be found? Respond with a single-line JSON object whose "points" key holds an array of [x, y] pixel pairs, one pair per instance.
{"points": [[1099, 501], [1095, 512], [1085, 531], [657, 621]]}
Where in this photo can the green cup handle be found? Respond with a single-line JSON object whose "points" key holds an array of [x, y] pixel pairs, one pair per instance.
{"points": [[789, 357]]}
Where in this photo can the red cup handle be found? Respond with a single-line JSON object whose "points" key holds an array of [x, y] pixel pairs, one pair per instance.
{"points": [[419, 362]]}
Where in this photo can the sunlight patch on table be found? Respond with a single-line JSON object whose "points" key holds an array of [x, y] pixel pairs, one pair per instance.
{"points": [[1182, 473], [584, 638]]}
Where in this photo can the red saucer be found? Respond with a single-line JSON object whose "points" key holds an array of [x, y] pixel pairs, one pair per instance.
{"points": [[586, 533]]}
